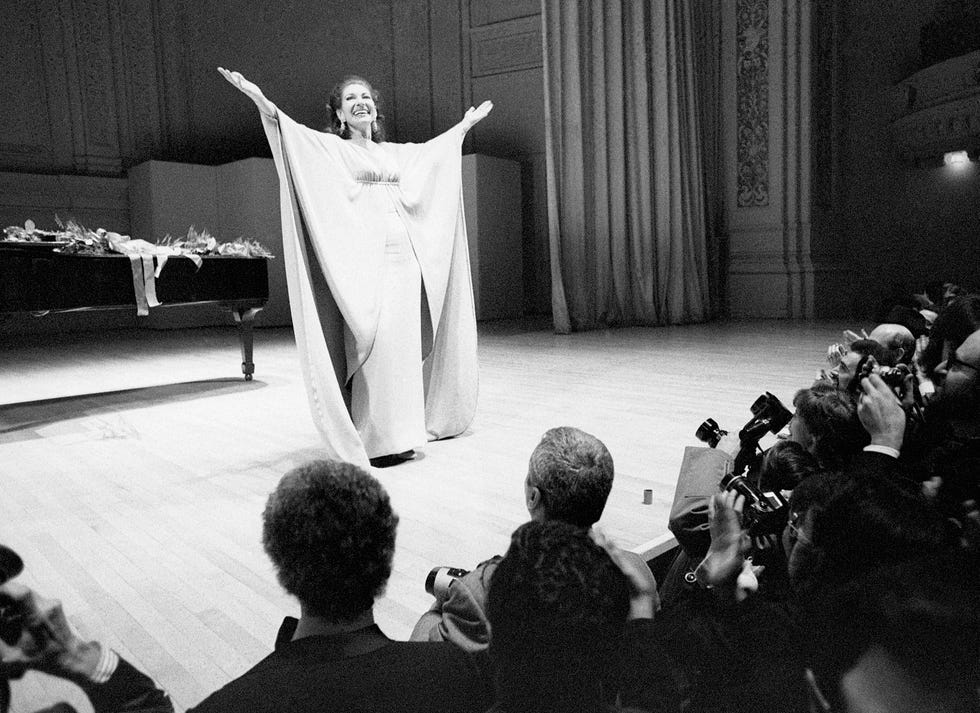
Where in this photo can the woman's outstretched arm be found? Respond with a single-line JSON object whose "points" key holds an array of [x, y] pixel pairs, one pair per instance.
{"points": [[251, 91]]}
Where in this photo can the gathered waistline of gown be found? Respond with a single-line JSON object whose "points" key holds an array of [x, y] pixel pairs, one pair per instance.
{"points": [[372, 177]]}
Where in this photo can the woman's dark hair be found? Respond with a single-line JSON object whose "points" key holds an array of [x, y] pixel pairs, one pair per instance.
{"points": [[955, 323], [336, 100], [831, 417], [785, 465], [557, 608], [329, 529]]}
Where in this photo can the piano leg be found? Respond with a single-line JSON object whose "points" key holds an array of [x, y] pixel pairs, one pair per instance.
{"points": [[243, 317]]}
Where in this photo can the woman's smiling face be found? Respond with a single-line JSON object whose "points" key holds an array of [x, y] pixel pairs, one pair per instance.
{"points": [[357, 105]]}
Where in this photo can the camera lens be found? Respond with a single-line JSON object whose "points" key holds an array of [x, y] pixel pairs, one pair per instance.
{"points": [[10, 564]]}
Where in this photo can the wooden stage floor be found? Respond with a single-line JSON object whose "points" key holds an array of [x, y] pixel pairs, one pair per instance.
{"points": [[135, 467]]}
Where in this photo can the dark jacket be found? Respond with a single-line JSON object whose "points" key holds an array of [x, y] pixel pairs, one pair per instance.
{"points": [[360, 671]]}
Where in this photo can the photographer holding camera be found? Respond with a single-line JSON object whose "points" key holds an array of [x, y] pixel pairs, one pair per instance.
{"points": [[947, 456], [35, 635], [825, 424], [743, 652], [569, 478]]}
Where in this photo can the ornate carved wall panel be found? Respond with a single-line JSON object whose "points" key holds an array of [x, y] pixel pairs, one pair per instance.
{"points": [[768, 146], [752, 97]]}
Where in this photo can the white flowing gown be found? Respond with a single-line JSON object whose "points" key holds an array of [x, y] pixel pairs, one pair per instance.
{"points": [[377, 268]]}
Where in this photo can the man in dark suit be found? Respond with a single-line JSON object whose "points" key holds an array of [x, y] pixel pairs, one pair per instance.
{"points": [[330, 532]]}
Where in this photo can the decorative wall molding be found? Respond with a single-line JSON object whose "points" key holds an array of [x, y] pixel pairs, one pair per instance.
{"points": [[25, 134], [135, 64], [506, 47], [938, 109], [827, 120], [413, 78], [90, 43], [752, 101], [98, 85], [487, 12]]}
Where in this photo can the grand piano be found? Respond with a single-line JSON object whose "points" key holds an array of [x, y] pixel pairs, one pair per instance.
{"points": [[34, 278]]}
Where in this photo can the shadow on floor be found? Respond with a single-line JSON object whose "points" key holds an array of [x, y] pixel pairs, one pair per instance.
{"points": [[30, 415]]}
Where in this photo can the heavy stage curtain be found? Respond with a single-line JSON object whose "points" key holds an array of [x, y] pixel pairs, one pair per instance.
{"points": [[627, 204]]}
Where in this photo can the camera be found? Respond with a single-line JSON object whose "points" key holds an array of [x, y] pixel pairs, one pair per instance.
{"points": [[439, 578], [893, 376], [11, 619], [764, 513], [709, 432], [768, 416]]}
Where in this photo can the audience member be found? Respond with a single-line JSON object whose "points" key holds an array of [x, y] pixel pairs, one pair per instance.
{"points": [[897, 340], [569, 477], [37, 636], [870, 601], [949, 452], [785, 465], [330, 532], [903, 639], [745, 653], [826, 424], [859, 350], [558, 606], [958, 321]]}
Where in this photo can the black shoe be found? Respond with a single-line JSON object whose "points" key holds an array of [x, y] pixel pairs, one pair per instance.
{"points": [[392, 459]]}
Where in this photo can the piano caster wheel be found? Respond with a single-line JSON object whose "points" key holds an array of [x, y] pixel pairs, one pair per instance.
{"points": [[248, 377]]}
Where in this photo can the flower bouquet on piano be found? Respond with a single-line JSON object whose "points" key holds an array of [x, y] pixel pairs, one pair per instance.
{"points": [[203, 243]]}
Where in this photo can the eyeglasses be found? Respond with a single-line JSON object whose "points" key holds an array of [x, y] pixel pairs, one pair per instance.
{"points": [[794, 530], [954, 361]]}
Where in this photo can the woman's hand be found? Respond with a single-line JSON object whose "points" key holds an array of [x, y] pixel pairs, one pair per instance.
{"points": [[729, 542], [644, 600], [250, 90], [477, 114]]}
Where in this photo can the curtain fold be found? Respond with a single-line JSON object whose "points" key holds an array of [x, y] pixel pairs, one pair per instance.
{"points": [[627, 207]]}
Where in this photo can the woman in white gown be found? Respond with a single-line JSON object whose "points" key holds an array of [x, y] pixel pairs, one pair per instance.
{"points": [[378, 275]]}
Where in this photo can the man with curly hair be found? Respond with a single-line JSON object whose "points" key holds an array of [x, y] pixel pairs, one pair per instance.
{"points": [[330, 532]]}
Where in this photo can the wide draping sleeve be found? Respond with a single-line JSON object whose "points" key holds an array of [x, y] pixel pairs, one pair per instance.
{"points": [[333, 247], [432, 198]]}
